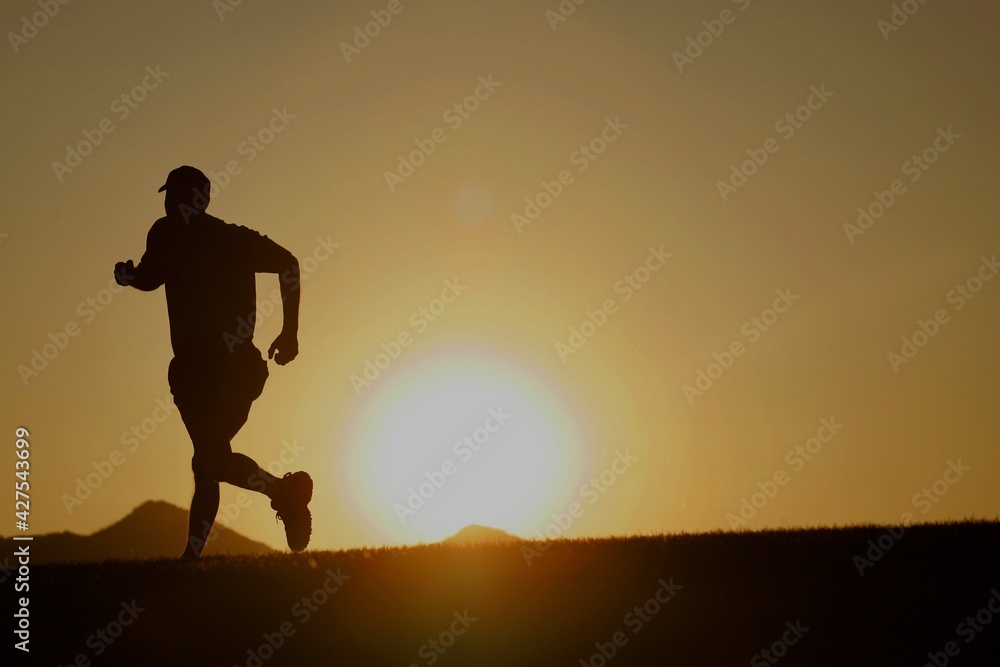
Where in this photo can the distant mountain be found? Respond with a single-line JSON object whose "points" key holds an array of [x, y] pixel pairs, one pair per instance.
{"points": [[155, 529], [478, 534]]}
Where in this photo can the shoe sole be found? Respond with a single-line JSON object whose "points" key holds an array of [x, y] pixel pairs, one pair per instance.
{"points": [[299, 498], [298, 528]]}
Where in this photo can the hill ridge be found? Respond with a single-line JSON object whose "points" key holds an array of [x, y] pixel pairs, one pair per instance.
{"points": [[154, 529]]}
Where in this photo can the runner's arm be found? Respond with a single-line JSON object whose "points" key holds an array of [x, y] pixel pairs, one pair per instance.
{"points": [[287, 343], [267, 256], [149, 274]]}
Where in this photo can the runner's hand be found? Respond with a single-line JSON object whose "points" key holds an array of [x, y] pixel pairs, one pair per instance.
{"points": [[287, 347], [124, 273]]}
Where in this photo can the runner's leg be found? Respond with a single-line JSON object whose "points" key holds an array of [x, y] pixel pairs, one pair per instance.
{"points": [[194, 383], [242, 471], [204, 507], [214, 409], [246, 375]]}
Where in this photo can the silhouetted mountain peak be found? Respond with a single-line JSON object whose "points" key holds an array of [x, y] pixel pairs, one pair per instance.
{"points": [[151, 510], [474, 533], [154, 529]]}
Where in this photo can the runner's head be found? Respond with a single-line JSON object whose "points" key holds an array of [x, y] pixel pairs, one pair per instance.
{"points": [[188, 192]]}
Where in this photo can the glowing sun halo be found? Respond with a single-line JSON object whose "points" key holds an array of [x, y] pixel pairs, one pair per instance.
{"points": [[459, 440]]}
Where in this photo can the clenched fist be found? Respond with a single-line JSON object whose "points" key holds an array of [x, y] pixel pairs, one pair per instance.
{"points": [[124, 273]]}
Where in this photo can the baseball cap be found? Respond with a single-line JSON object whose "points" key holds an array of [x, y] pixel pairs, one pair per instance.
{"points": [[186, 178]]}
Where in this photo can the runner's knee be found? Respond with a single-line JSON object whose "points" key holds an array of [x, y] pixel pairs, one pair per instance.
{"points": [[209, 466]]}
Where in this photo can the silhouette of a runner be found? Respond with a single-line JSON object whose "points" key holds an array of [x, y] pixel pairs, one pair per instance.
{"points": [[208, 268]]}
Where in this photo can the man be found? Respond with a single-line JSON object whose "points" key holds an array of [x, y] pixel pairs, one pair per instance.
{"points": [[208, 268]]}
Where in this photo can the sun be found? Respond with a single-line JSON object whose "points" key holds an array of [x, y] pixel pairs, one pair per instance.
{"points": [[459, 439]]}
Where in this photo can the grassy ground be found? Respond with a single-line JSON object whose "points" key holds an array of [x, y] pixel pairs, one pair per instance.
{"points": [[728, 596]]}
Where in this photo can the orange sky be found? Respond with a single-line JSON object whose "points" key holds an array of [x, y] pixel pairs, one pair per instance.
{"points": [[682, 207]]}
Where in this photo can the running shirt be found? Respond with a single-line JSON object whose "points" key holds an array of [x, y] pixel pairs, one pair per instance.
{"points": [[208, 267]]}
